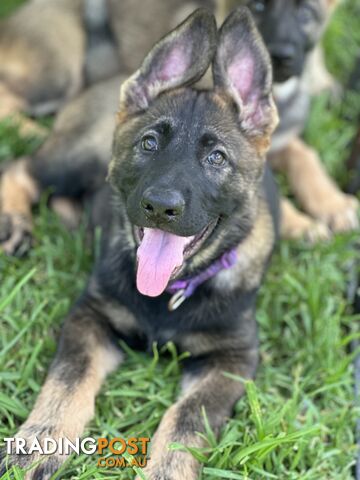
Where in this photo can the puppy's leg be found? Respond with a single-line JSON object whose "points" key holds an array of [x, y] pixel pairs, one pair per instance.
{"points": [[295, 224], [85, 355], [18, 191], [314, 189], [206, 388]]}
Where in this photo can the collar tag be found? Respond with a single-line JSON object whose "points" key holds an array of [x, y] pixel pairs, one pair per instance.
{"points": [[183, 289], [177, 299]]}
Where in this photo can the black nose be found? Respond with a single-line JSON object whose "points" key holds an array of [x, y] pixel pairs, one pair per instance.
{"points": [[162, 205], [282, 53]]}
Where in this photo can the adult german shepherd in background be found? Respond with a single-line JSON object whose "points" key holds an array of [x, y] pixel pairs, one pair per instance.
{"points": [[189, 184], [76, 43]]}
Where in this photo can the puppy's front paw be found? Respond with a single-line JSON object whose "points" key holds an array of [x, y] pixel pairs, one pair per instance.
{"points": [[15, 234], [304, 227], [341, 213], [314, 232]]}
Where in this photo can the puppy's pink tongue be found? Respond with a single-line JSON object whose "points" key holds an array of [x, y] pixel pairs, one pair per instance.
{"points": [[158, 255]]}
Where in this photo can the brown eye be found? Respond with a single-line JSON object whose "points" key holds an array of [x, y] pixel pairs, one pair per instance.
{"points": [[216, 158], [149, 143]]}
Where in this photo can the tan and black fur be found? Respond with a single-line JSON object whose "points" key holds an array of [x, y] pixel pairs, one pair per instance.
{"points": [[232, 191], [292, 32], [46, 79], [112, 37], [42, 47], [50, 51]]}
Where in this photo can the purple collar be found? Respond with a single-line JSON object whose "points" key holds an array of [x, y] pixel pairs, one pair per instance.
{"points": [[183, 289]]}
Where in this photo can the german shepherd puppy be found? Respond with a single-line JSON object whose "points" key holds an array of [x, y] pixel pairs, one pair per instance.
{"points": [[190, 191]]}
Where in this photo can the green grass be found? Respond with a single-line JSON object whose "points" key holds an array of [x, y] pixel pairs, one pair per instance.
{"points": [[297, 419], [7, 6]]}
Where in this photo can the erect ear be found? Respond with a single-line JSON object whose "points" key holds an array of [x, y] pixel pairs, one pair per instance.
{"points": [[179, 58], [242, 67]]}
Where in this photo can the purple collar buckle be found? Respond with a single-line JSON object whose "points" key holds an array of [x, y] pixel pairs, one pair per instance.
{"points": [[183, 289]]}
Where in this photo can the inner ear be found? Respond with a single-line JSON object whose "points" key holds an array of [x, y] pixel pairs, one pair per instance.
{"points": [[176, 62], [242, 68], [241, 74], [180, 58]]}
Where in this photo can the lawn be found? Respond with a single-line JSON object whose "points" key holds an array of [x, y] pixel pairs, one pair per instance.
{"points": [[297, 420]]}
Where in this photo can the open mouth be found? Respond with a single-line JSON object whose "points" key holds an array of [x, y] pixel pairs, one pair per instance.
{"points": [[161, 255]]}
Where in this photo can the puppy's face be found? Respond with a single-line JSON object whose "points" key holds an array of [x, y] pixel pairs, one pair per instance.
{"points": [[290, 29], [185, 161]]}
